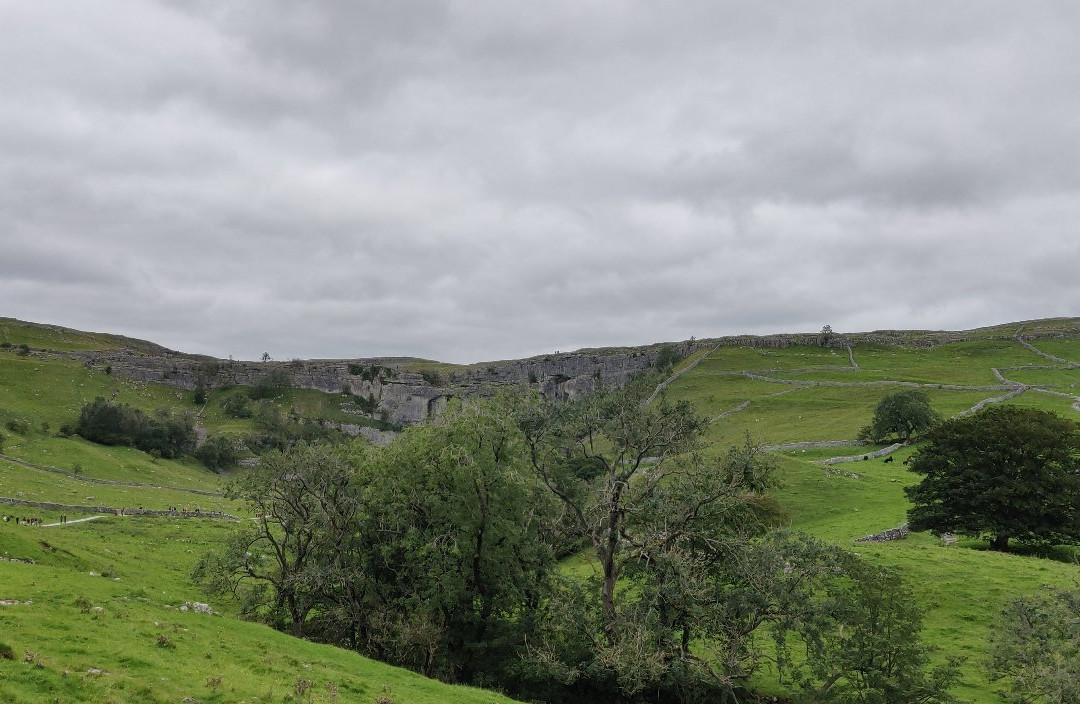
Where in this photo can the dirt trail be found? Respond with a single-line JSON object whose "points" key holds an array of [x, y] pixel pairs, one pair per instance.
{"points": [[71, 522]]}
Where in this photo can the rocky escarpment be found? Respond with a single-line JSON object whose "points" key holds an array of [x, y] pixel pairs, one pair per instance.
{"points": [[406, 396], [407, 390]]}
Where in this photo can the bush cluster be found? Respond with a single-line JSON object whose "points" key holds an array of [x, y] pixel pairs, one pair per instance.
{"points": [[162, 434], [218, 453]]}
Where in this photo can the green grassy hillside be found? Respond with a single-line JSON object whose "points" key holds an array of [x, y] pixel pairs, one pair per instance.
{"points": [[65, 619], [90, 609], [963, 585]]}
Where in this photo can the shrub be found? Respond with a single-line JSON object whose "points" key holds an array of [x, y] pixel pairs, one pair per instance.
{"points": [[24, 349], [270, 385], [163, 641], [18, 425], [667, 358], [432, 377], [218, 453], [107, 423], [237, 406], [6, 652], [5, 344]]}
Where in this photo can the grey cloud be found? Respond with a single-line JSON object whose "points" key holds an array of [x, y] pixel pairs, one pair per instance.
{"points": [[475, 180]]}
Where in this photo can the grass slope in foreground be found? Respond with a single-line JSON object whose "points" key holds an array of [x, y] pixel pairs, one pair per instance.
{"points": [[78, 636]]}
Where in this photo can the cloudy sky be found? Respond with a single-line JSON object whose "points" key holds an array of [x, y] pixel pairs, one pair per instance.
{"points": [[492, 179]]}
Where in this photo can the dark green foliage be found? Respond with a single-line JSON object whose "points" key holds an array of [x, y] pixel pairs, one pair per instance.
{"points": [[23, 350], [218, 453], [200, 394], [432, 377], [437, 553], [532, 377], [6, 652], [1036, 650], [1006, 471], [18, 425], [667, 358], [632, 485], [277, 431], [2, 442], [5, 344], [237, 405], [424, 554], [270, 385], [859, 628], [900, 415], [369, 405], [371, 373], [161, 434]]}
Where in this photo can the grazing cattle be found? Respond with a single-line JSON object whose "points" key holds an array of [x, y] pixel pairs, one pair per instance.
{"points": [[889, 458]]}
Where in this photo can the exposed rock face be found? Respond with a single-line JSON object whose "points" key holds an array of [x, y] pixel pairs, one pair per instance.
{"points": [[407, 397]]}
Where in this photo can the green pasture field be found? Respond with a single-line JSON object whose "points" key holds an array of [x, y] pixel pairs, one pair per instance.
{"points": [[714, 393], [962, 586], [115, 463], [128, 625], [21, 482], [54, 390], [1066, 349], [1061, 405], [960, 363], [820, 413], [149, 560], [17, 332], [1061, 379], [760, 359]]}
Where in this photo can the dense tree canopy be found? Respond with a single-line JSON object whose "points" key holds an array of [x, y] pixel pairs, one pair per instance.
{"points": [[163, 433], [901, 415], [438, 553], [1007, 472]]}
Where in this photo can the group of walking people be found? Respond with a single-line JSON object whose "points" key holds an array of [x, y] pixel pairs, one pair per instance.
{"points": [[32, 521]]}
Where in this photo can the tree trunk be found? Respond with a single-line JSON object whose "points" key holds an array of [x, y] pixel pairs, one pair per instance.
{"points": [[1000, 542], [607, 561]]}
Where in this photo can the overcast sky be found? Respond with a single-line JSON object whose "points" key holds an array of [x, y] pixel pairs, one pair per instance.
{"points": [[482, 180]]}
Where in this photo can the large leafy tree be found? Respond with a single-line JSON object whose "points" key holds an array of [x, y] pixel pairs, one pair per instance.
{"points": [[667, 530], [305, 504], [1006, 472], [452, 542], [901, 415]]}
